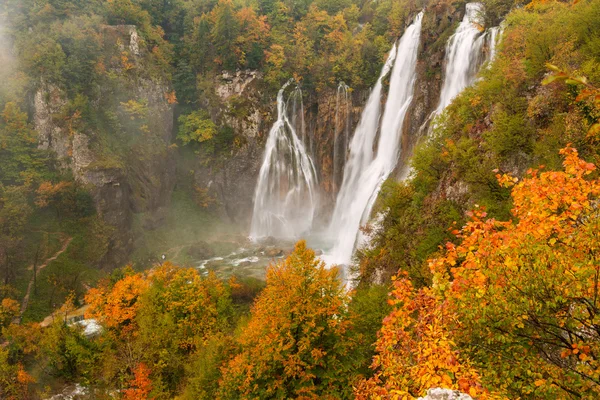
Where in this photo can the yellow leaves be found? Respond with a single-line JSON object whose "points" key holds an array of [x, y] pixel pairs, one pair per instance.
{"points": [[506, 180], [302, 303], [136, 109], [475, 101], [539, 382]]}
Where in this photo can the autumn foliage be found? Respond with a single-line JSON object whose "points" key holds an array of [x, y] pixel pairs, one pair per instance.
{"points": [[416, 349], [293, 345], [140, 386], [521, 293], [116, 307]]}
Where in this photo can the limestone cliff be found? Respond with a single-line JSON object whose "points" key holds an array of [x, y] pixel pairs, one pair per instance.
{"points": [[127, 168]]}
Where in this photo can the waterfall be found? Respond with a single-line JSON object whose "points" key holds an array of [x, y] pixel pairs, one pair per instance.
{"points": [[494, 35], [295, 112], [342, 125], [463, 56], [366, 170], [286, 194]]}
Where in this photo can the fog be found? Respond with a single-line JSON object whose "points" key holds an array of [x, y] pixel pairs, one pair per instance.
{"points": [[8, 64]]}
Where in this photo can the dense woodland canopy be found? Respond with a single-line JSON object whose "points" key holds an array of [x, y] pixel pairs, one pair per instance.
{"points": [[490, 289]]}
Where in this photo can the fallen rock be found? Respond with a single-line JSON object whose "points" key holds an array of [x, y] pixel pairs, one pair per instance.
{"points": [[445, 394], [274, 252]]}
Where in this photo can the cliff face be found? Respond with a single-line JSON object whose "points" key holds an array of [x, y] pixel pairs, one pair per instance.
{"points": [[229, 179], [137, 178]]}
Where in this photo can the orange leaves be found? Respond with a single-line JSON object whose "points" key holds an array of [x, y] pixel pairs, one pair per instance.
{"points": [[506, 180], [171, 97], [116, 307], [125, 63], [416, 350], [140, 386], [295, 334], [47, 192], [522, 286], [9, 309]]}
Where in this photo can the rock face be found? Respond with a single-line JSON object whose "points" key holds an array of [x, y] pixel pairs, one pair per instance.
{"points": [[141, 177], [445, 394], [231, 179], [243, 106], [137, 179]]}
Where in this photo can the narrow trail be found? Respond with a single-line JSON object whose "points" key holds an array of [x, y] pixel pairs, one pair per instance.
{"points": [[25, 301]]}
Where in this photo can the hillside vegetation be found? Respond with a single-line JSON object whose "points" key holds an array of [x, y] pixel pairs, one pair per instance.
{"points": [[482, 275]]}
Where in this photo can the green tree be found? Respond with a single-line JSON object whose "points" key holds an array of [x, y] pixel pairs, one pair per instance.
{"points": [[224, 33], [22, 161], [196, 127]]}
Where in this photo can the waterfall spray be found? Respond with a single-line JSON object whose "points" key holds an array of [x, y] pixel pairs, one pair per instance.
{"points": [[494, 34], [286, 194], [463, 56]]}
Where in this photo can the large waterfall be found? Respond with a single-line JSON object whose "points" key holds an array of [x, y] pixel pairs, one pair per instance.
{"points": [[286, 194], [365, 169]]}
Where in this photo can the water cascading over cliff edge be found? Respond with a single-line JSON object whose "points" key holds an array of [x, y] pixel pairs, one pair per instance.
{"points": [[464, 54], [366, 169], [286, 195]]}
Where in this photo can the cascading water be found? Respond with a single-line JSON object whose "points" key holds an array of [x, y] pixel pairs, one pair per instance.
{"points": [[463, 56], [295, 113], [364, 172], [343, 107], [286, 194], [494, 34]]}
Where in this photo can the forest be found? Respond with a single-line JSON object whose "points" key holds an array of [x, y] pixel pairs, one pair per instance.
{"points": [[299, 199]]}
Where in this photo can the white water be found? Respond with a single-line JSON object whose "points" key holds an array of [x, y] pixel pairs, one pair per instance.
{"points": [[295, 113], [463, 56], [340, 142], [494, 36], [286, 194], [366, 170]]}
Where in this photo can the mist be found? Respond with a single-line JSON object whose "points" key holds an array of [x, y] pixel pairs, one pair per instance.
{"points": [[9, 84]]}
